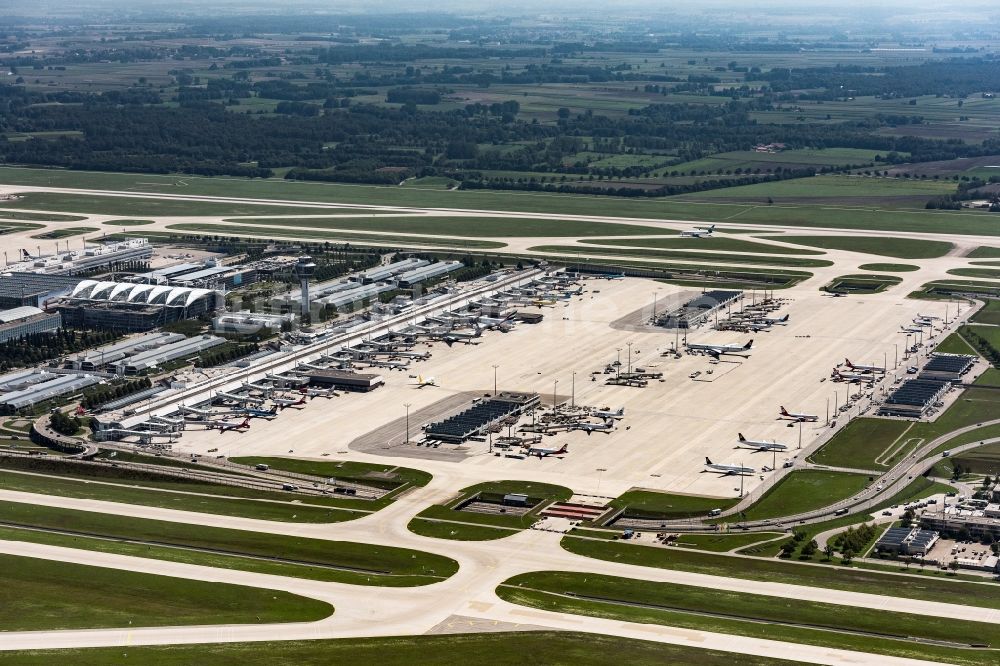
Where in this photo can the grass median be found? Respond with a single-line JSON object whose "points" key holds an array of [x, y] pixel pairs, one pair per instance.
{"points": [[186, 499], [553, 648], [40, 594], [760, 616], [258, 552]]}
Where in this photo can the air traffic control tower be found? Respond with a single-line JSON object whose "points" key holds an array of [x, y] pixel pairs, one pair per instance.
{"points": [[304, 270]]}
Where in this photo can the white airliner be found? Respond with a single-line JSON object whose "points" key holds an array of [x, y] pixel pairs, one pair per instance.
{"points": [[607, 426], [422, 382], [928, 317], [225, 426], [719, 350], [759, 444], [779, 320], [903, 329], [728, 469], [608, 414], [698, 232], [864, 368], [503, 324], [798, 417], [543, 452]]}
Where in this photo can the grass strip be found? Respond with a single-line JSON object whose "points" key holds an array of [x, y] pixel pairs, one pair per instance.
{"points": [[260, 552], [523, 648], [761, 616], [40, 594]]}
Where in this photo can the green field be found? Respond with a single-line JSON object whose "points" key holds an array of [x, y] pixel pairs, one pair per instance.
{"points": [[984, 252], [716, 243], [65, 232], [955, 344], [889, 268], [863, 216], [38, 217], [444, 521], [258, 552], [225, 230], [578, 251], [804, 490], [945, 590], [471, 227], [45, 595], [844, 188], [949, 288], [903, 248], [859, 443], [652, 504], [749, 159], [94, 204], [522, 648], [795, 620], [129, 493]]}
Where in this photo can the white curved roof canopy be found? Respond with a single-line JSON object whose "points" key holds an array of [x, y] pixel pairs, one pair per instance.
{"points": [[126, 292]]}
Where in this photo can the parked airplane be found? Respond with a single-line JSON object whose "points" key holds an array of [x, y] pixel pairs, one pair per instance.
{"points": [[422, 381], [839, 376], [759, 444], [779, 320], [608, 414], [928, 317], [616, 276], [288, 402], [607, 426], [864, 368], [728, 469], [903, 329], [923, 323], [798, 417], [543, 302], [543, 452], [225, 426], [719, 350], [496, 323]]}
